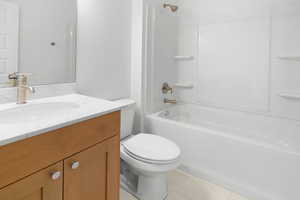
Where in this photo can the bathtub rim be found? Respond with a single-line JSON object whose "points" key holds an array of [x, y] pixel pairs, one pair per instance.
{"points": [[224, 134]]}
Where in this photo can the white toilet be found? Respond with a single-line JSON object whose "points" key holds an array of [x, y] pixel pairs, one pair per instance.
{"points": [[145, 159]]}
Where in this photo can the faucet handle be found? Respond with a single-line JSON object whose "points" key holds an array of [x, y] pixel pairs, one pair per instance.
{"points": [[13, 76], [16, 75]]}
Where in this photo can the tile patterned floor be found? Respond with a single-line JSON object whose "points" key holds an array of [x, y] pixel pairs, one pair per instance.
{"points": [[186, 187]]}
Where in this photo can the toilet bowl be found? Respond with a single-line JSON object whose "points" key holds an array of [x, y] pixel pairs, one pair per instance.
{"points": [[145, 159], [150, 157]]}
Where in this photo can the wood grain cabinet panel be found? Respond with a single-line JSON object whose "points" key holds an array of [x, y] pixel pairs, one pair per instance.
{"points": [[39, 186], [87, 157], [94, 173], [43, 150]]}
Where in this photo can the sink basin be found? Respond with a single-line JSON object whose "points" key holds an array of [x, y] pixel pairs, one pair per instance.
{"points": [[41, 115], [35, 112]]}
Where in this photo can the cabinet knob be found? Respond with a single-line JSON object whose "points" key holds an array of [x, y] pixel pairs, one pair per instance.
{"points": [[75, 165], [55, 175]]}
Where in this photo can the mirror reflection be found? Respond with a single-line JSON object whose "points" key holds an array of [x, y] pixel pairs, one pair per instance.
{"points": [[39, 38]]}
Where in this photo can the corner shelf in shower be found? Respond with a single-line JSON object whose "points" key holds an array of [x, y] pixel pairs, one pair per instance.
{"points": [[179, 58], [290, 58], [290, 96]]}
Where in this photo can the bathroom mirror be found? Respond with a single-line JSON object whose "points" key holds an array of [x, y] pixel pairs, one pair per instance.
{"points": [[38, 37]]}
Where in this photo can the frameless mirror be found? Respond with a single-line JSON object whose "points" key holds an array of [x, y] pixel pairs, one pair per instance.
{"points": [[38, 37]]}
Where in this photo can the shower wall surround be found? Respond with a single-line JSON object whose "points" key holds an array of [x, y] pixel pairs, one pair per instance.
{"points": [[243, 55], [233, 64]]}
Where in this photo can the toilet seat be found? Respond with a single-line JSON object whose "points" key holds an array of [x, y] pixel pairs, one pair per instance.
{"points": [[151, 149]]}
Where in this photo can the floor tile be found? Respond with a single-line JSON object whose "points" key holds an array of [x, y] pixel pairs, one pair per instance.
{"points": [[234, 196], [191, 188], [126, 196], [186, 187]]}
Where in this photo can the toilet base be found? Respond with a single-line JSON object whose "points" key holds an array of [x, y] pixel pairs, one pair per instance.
{"points": [[144, 187], [152, 187]]}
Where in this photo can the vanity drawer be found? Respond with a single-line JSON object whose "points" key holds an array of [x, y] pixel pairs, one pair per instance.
{"points": [[22, 158]]}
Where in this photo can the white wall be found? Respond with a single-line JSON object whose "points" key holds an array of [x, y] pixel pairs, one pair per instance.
{"points": [[137, 61], [165, 38], [231, 46], [285, 76], [233, 64], [104, 40], [236, 48]]}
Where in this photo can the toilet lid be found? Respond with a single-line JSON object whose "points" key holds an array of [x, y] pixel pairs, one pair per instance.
{"points": [[152, 148]]}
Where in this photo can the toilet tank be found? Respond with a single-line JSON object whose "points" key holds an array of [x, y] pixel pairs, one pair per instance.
{"points": [[127, 116]]}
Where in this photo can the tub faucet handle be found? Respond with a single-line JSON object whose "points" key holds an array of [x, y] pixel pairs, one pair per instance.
{"points": [[166, 88]]}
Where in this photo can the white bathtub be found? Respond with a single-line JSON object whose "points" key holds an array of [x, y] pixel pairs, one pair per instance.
{"points": [[257, 156]]}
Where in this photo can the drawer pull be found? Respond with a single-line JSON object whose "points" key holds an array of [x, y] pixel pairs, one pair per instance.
{"points": [[55, 175], [75, 165]]}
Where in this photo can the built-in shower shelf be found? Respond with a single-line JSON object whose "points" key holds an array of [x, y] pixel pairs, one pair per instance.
{"points": [[178, 58], [290, 95], [184, 85], [290, 58]]}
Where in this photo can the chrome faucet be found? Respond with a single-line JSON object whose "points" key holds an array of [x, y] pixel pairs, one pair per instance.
{"points": [[22, 87]]}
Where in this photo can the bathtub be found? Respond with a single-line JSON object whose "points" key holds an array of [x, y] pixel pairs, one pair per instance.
{"points": [[257, 156]]}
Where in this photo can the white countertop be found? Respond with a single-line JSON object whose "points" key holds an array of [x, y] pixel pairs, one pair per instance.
{"points": [[81, 108]]}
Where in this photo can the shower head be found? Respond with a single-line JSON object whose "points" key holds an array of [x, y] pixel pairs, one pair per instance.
{"points": [[173, 8]]}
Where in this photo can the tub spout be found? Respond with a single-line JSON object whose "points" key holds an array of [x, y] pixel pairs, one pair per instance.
{"points": [[170, 101]]}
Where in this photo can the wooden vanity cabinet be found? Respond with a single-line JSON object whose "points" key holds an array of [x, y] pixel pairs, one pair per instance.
{"points": [[64, 164], [94, 173], [39, 186]]}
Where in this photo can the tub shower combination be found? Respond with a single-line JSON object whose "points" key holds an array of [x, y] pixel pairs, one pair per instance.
{"points": [[257, 156]]}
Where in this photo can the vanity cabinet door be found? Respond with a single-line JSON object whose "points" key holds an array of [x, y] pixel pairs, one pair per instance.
{"points": [[94, 173], [43, 185]]}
